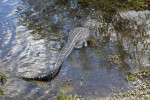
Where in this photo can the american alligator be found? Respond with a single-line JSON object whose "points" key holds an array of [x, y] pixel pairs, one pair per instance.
{"points": [[77, 39]]}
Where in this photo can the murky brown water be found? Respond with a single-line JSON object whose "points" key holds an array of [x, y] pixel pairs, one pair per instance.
{"points": [[30, 34]]}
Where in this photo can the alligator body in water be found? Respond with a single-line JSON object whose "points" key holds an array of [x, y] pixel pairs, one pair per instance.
{"points": [[77, 39]]}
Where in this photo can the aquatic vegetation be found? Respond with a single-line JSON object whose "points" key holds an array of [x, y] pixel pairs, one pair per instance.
{"points": [[1, 91], [81, 83], [67, 97], [66, 89], [141, 94], [82, 77], [137, 4], [3, 77], [130, 78], [86, 73], [115, 59], [142, 74], [142, 87], [115, 5], [91, 42], [69, 81]]}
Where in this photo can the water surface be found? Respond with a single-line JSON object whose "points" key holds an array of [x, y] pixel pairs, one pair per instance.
{"points": [[30, 35]]}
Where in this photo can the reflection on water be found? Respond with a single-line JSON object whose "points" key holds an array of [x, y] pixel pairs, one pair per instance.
{"points": [[30, 35]]}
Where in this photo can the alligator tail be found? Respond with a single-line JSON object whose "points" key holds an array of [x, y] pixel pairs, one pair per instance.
{"points": [[45, 78], [66, 50]]}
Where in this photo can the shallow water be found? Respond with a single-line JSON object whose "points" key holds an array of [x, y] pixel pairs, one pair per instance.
{"points": [[30, 34]]}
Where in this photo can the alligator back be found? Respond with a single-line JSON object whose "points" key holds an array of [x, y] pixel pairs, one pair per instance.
{"points": [[75, 35]]}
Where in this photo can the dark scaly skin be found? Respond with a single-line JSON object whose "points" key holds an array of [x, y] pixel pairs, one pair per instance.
{"points": [[77, 38]]}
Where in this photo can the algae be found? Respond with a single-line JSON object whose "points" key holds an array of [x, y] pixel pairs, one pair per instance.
{"points": [[1, 91], [130, 78], [67, 97], [3, 78], [66, 89], [91, 42], [142, 74], [115, 59], [115, 5]]}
